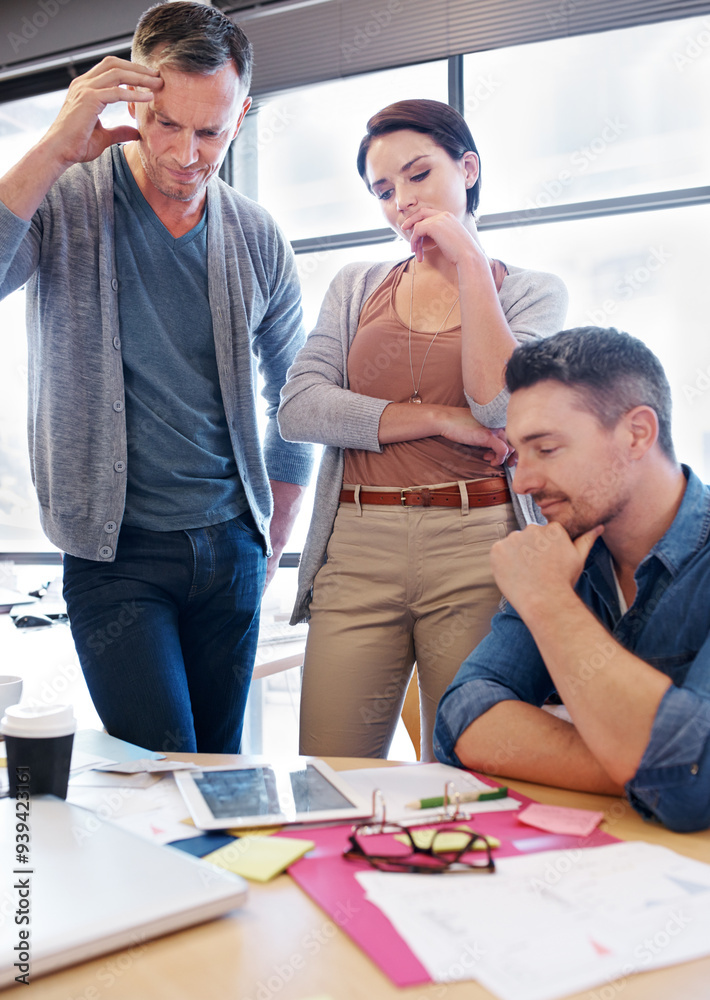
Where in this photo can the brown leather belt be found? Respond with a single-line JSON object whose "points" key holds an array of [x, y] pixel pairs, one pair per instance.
{"points": [[483, 493]]}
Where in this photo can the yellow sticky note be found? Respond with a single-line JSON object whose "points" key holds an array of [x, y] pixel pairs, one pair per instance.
{"points": [[259, 858], [448, 840]]}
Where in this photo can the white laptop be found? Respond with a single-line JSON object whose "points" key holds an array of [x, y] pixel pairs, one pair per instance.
{"points": [[93, 887]]}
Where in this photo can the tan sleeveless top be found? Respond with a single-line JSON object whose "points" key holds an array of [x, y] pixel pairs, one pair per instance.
{"points": [[378, 365]]}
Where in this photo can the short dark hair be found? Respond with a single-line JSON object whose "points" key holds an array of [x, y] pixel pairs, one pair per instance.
{"points": [[611, 371], [443, 123], [193, 38]]}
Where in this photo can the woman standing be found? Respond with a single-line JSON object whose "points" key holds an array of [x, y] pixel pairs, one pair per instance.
{"points": [[401, 379]]}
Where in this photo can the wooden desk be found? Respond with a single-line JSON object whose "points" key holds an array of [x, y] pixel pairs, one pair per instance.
{"points": [[281, 946]]}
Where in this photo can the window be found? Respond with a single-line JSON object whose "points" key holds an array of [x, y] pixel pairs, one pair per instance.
{"points": [[644, 274], [307, 142], [594, 116], [562, 127]]}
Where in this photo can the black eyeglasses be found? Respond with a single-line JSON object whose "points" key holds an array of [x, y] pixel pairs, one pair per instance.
{"points": [[389, 847]]}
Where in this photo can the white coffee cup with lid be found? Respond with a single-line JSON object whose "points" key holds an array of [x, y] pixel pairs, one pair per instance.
{"points": [[39, 741]]}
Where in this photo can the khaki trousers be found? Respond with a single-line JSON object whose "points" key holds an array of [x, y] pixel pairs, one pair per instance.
{"points": [[400, 585]]}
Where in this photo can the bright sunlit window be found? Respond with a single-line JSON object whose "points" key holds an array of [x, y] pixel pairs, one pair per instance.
{"points": [[594, 116]]}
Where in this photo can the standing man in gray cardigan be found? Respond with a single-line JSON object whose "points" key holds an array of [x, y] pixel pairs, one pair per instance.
{"points": [[152, 286]]}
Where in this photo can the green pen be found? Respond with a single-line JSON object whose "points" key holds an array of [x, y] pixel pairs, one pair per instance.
{"points": [[434, 803]]}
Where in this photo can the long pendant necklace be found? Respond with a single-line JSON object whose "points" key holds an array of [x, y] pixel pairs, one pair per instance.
{"points": [[415, 397]]}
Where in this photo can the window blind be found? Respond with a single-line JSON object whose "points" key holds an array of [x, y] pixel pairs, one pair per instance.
{"points": [[300, 42], [309, 41]]}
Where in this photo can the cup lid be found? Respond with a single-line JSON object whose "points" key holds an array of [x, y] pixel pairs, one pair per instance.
{"points": [[38, 721]]}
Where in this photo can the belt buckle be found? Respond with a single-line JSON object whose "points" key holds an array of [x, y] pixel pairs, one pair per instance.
{"points": [[426, 496]]}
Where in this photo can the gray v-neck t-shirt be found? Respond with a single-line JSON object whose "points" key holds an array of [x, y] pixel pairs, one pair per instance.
{"points": [[181, 467]]}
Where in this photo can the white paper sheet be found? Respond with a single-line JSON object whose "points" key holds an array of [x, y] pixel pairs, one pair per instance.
{"points": [[107, 779], [146, 765], [551, 924], [82, 761], [400, 785]]}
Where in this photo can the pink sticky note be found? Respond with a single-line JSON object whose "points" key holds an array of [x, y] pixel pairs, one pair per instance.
{"points": [[558, 819]]}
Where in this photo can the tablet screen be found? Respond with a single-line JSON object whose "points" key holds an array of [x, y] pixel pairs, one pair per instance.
{"points": [[312, 792], [247, 792], [252, 791]]}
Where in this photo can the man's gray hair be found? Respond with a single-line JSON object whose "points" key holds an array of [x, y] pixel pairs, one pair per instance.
{"points": [[193, 38]]}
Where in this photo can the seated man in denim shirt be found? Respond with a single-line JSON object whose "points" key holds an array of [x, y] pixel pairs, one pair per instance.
{"points": [[611, 596]]}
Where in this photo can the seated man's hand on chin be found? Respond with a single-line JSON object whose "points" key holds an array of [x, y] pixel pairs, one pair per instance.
{"points": [[540, 564]]}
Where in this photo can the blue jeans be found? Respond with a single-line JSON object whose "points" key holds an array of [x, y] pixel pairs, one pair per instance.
{"points": [[166, 635]]}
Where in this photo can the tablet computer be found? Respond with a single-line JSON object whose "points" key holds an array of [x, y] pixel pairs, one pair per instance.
{"points": [[262, 793]]}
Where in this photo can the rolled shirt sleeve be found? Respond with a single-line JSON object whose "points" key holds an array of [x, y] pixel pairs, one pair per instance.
{"points": [[667, 627], [672, 783], [506, 666]]}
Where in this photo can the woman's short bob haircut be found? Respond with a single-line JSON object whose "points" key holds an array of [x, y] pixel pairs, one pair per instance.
{"points": [[446, 127]]}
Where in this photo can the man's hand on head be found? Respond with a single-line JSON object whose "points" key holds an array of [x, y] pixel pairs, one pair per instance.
{"points": [[77, 135], [540, 564]]}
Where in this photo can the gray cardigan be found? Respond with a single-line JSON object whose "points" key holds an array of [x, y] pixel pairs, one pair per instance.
{"points": [[76, 418], [316, 404]]}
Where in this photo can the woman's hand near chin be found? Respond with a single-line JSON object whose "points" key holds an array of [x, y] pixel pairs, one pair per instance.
{"points": [[486, 339], [427, 227]]}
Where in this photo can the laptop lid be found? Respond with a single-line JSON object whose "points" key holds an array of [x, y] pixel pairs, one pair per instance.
{"points": [[89, 887]]}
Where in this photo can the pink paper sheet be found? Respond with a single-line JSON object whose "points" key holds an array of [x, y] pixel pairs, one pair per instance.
{"points": [[559, 819]]}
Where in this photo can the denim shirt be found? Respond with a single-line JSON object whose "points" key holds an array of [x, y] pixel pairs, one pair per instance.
{"points": [[667, 626]]}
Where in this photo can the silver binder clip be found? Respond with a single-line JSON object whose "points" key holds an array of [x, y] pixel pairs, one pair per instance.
{"points": [[452, 803], [379, 814]]}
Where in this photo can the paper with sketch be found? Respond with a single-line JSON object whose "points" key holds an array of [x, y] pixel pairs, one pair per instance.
{"points": [[155, 812], [400, 785], [552, 924]]}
